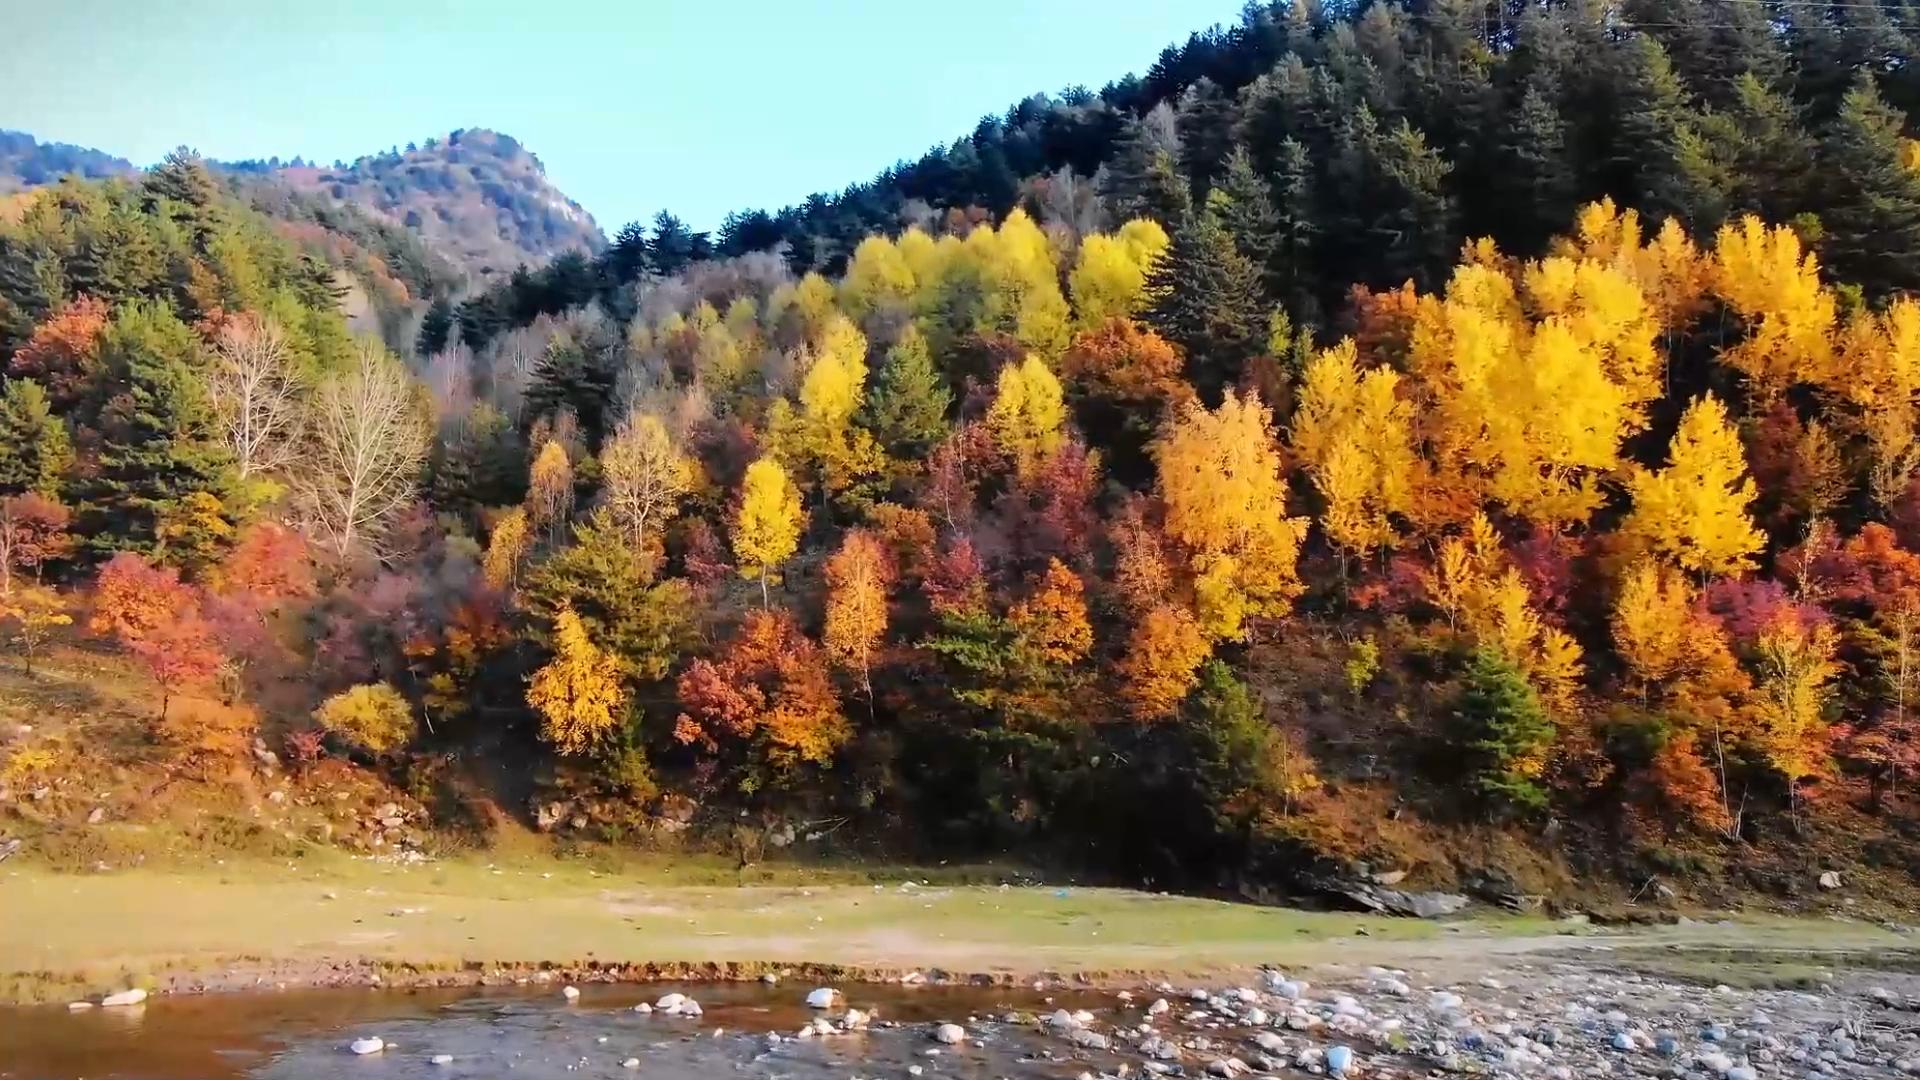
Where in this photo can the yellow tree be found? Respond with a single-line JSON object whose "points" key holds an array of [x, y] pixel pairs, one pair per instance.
{"points": [[1764, 276], [878, 278], [1796, 664], [1109, 279], [1354, 436], [644, 477], [578, 694], [1163, 657], [35, 611], [858, 577], [505, 548], [1881, 355], [1028, 415], [1695, 511], [1669, 270], [550, 490], [766, 525], [1226, 505], [1050, 626]]}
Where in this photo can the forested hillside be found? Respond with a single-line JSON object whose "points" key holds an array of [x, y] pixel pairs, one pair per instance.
{"points": [[26, 162], [1440, 438], [476, 196]]}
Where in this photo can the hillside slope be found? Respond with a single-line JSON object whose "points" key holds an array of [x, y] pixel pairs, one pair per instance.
{"points": [[476, 196], [26, 162]]}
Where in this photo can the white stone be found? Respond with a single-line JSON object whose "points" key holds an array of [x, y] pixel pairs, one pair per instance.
{"points": [[951, 1034], [372, 1044], [1268, 1041], [822, 998], [670, 1002], [1830, 880], [441, 1059], [125, 997], [630, 1063], [1159, 1007], [79, 1006], [643, 1008], [1062, 1020], [689, 1007], [571, 993]]}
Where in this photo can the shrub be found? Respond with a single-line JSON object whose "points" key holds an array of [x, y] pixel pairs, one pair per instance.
{"points": [[371, 716]]}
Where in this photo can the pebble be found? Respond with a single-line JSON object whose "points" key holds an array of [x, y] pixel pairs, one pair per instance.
{"points": [[441, 1059], [630, 1063], [371, 1045]]}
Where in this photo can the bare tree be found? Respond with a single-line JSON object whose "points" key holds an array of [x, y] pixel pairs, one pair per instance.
{"points": [[367, 438], [645, 478], [255, 389]]}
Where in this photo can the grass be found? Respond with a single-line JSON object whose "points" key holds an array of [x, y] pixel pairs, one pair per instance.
{"points": [[71, 932]]}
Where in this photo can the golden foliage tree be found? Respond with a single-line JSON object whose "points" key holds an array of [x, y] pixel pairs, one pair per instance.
{"points": [[1225, 496], [645, 477], [506, 547], [1354, 436], [578, 694], [1028, 415], [1763, 274], [1162, 661], [858, 577], [766, 524], [1695, 511], [550, 489], [1109, 280]]}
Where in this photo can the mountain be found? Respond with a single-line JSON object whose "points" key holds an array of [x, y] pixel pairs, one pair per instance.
{"points": [[478, 197], [25, 162]]}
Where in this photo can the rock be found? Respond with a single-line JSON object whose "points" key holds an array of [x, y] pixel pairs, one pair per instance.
{"points": [[630, 1063], [690, 1007], [372, 1044], [950, 1034], [1089, 1040], [855, 1020], [1268, 1041], [1227, 1067], [441, 1059], [770, 979], [125, 997], [643, 1008], [1062, 1020], [822, 998], [79, 1006], [1830, 879], [571, 993], [98, 815], [1339, 1060], [670, 1002], [1742, 1072], [1159, 1007]]}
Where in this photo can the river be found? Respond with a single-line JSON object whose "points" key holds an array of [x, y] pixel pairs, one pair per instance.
{"points": [[534, 1034]]}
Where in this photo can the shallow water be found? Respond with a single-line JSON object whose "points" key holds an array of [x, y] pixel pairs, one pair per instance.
{"points": [[530, 1033]]}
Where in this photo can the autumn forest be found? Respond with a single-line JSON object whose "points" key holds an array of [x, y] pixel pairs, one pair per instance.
{"points": [[1379, 432]]}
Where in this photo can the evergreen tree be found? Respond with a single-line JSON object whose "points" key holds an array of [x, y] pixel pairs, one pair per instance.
{"points": [[1143, 179], [160, 444], [572, 376], [1653, 163], [1296, 231], [907, 408], [1248, 214], [35, 452], [1537, 178], [1206, 121], [483, 464], [1393, 220], [1207, 301], [436, 326], [626, 258], [1507, 729], [674, 246], [1872, 211]]}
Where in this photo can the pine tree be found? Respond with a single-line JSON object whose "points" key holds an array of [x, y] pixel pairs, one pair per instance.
{"points": [[907, 410], [1537, 176], [1143, 179], [626, 258], [35, 452], [160, 443], [1508, 730], [674, 247], [1292, 274], [436, 326], [1248, 214], [1207, 300], [1872, 211]]}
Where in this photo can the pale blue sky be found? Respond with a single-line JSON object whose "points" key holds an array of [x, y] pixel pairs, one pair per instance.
{"points": [[698, 107]]}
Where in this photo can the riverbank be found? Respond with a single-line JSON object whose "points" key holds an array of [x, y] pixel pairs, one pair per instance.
{"points": [[344, 921]]}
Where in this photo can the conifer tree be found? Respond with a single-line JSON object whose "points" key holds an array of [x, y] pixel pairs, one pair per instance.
{"points": [[907, 410], [160, 440], [1207, 300], [35, 452], [1872, 215]]}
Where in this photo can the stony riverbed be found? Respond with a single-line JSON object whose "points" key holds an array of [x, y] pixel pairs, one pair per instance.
{"points": [[1571, 1015]]}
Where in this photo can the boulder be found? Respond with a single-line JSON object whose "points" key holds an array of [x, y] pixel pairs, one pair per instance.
{"points": [[1830, 879], [124, 997], [822, 998], [372, 1044], [950, 1034]]}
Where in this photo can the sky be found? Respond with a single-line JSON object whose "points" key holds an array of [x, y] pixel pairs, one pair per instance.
{"points": [[696, 106]]}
